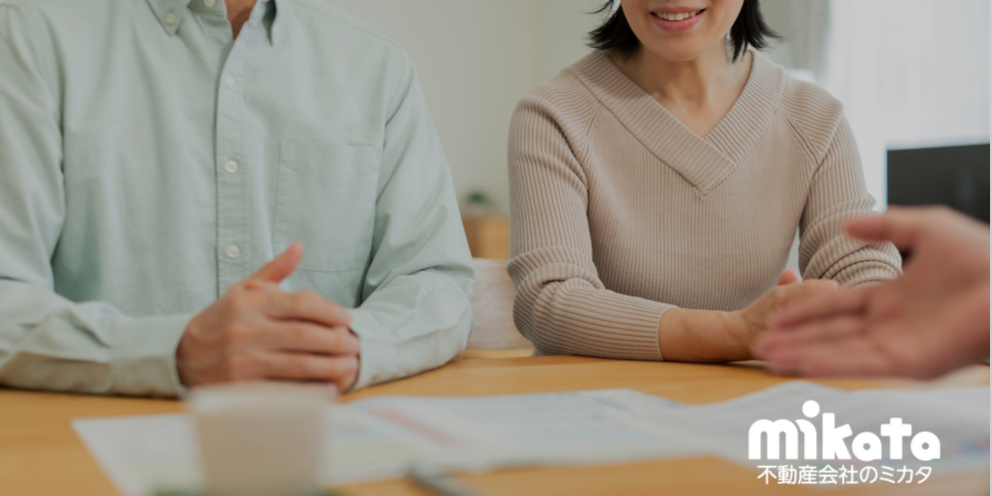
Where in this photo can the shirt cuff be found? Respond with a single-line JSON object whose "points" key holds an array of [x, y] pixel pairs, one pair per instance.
{"points": [[363, 325], [389, 352], [144, 355]]}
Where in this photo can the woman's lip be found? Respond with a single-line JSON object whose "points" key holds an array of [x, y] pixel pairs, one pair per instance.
{"points": [[677, 25], [677, 10]]}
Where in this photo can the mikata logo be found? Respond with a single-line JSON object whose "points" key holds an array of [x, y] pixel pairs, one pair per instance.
{"points": [[866, 446]]}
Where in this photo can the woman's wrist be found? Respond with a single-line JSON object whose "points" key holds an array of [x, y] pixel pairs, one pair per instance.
{"points": [[686, 335]]}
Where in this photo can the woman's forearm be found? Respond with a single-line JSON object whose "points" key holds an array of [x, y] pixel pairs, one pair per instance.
{"points": [[686, 335]]}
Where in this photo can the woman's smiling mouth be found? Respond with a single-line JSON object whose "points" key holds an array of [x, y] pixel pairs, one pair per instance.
{"points": [[677, 21], [681, 16]]}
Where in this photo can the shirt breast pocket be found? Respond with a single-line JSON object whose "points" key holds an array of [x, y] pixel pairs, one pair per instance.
{"points": [[326, 198]]}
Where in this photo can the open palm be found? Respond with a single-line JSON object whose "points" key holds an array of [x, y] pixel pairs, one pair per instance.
{"points": [[929, 321]]}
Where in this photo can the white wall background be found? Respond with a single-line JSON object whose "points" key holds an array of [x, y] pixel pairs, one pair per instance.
{"points": [[911, 73], [475, 60]]}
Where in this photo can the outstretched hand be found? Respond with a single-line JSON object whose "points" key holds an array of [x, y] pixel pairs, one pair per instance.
{"points": [[929, 321]]}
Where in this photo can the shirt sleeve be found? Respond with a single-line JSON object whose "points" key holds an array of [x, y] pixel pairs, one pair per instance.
{"points": [[837, 194], [561, 305], [416, 302], [47, 341]]}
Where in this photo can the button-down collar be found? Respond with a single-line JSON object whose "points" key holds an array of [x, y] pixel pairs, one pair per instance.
{"points": [[170, 13]]}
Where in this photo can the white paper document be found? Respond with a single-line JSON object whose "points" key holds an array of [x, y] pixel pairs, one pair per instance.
{"points": [[384, 437]]}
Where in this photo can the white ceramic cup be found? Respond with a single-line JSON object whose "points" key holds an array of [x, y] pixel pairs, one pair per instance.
{"points": [[260, 439]]}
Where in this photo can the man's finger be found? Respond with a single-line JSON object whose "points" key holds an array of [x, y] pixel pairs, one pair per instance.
{"points": [[899, 225], [830, 329], [820, 306], [307, 367], [259, 285], [307, 306], [849, 357], [281, 267], [787, 277], [805, 290], [311, 338]]}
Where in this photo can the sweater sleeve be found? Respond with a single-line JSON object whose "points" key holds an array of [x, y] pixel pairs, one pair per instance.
{"points": [[837, 193], [561, 305]]}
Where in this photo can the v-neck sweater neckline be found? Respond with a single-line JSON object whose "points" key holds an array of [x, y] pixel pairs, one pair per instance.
{"points": [[702, 161]]}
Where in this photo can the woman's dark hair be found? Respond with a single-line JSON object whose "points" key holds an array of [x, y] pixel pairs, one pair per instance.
{"points": [[615, 34]]}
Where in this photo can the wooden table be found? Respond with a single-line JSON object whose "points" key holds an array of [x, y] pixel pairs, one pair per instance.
{"points": [[41, 455]]}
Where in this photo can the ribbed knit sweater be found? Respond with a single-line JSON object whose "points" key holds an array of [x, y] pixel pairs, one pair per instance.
{"points": [[620, 212]]}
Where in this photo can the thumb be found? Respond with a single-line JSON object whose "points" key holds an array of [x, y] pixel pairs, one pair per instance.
{"points": [[806, 289], [281, 267], [794, 293], [787, 277]]}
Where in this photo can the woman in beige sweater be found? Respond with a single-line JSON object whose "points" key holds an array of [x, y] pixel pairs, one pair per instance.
{"points": [[657, 184]]}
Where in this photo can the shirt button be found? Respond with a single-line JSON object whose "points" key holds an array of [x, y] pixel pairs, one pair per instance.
{"points": [[170, 18], [210, 3], [233, 251], [231, 166], [229, 81]]}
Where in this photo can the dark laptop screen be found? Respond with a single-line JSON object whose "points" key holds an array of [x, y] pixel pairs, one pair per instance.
{"points": [[956, 176]]}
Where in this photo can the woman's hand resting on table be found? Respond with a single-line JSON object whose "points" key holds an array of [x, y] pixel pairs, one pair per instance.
{"points": [[687, 335]]}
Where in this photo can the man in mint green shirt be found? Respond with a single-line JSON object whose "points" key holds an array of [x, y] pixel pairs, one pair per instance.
{"points": [[158, 161]]}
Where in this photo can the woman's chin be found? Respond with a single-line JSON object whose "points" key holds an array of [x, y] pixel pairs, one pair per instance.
{"points": [[675, 52]]}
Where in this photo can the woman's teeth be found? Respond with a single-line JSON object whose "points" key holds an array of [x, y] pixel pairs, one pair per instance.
{"points": [[677, 17]]}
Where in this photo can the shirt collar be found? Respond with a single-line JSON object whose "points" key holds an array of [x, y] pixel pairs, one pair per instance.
{"points": [[277, 23], [170, 13]]}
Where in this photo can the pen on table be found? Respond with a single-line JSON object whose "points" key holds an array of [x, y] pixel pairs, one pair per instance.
{"points": [[439, 482]]}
